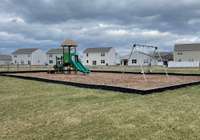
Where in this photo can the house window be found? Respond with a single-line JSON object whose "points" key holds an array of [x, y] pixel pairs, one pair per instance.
{"points": [[22, 62], [50, 56], [15, 61], [134, 61], [102, 54], [146, 61], [15, 56], [29, 62], [50, 61], [87, 54], [191, 60], [179, 60], [180, 53], [87, 61], [103, 62], [94, 62]]}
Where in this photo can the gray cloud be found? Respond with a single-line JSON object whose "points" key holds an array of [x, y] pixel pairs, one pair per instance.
{"points": [[98, 23], [159, 14]]}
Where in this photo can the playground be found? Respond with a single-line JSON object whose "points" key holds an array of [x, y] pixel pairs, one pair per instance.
{"points": [[70, 70]]}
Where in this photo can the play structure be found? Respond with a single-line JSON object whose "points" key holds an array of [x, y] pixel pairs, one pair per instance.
{"points": [[69, 61]]}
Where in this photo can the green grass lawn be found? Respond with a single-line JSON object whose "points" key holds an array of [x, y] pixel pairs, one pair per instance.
{"points": [[23, 68], [111, 68], [36, 110]]}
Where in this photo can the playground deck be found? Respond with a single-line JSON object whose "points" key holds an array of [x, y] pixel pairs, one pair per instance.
{"points": [[135, 81]]}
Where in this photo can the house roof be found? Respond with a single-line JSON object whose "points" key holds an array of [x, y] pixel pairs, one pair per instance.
{"points": [[24, 51], [69, 42], [56, 51], [187, 47], [139, 52], [5, 57], [166, 56], [97, 50], [124, 57]]}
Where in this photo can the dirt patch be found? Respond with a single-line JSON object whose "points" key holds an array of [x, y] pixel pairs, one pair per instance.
{"points": [[135, 81]]}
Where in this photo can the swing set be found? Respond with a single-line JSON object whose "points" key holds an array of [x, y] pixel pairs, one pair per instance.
{"points": [[137, 48]]}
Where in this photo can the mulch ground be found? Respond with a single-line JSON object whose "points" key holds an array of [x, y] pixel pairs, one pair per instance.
{"points": [[135, 81]]}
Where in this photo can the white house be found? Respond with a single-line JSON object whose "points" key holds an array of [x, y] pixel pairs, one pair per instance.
{"points": [[29, 56], [53, 53], [186, 55], [5, 59], [138, 58], [100, 56]]}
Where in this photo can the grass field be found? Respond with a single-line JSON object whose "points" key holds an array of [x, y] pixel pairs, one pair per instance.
{"points": [[111, 68], [23, 68], [36, 110]]}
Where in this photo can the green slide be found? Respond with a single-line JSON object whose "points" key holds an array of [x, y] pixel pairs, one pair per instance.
{"points": [[80, 67]]}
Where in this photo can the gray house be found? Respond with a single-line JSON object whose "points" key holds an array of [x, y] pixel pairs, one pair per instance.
{"points": [[5, 59], [187, 52], [166, 57]]}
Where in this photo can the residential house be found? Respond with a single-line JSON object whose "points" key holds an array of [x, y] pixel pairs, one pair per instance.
{"points": [[187, 52], [100, 56], [138, 58], [29, 56], [5, 59]]}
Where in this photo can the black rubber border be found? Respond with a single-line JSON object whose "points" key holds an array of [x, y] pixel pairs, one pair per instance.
{"points": [[106, 87]]}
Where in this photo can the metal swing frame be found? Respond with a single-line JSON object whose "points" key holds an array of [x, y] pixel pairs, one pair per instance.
{"points": [[134, 47]]}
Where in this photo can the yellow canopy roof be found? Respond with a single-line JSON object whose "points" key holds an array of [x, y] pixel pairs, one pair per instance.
{"points": [[69, 43]]}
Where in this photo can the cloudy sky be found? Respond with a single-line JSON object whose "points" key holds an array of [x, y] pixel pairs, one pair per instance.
{"points": [[98, 23]]}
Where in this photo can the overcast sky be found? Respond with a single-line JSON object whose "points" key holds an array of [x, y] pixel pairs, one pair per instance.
{"points": [[98, 23]]}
